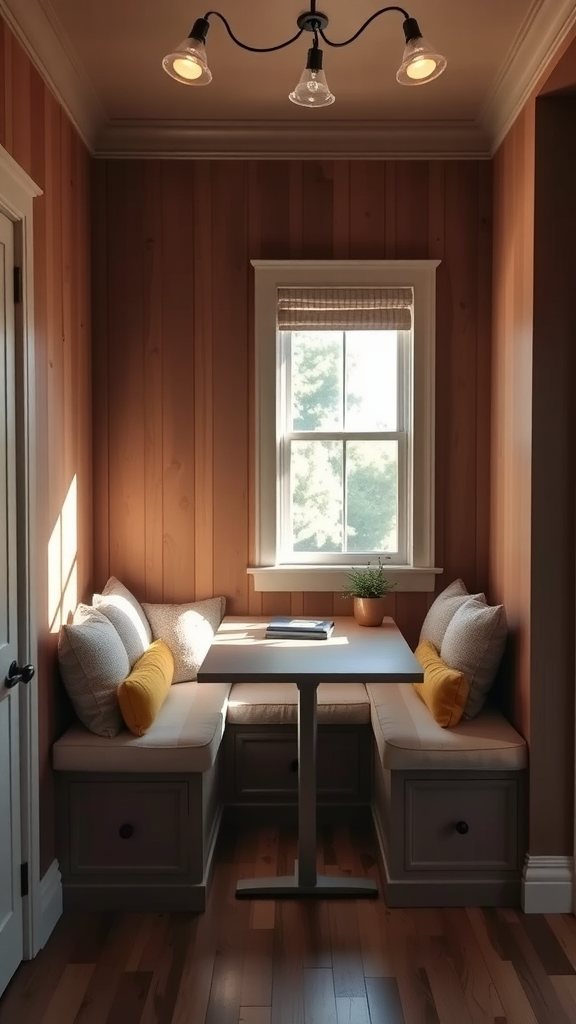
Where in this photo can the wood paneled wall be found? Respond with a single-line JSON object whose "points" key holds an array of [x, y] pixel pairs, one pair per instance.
{"points": [[37, 133], [173, 356], [532, 549]]}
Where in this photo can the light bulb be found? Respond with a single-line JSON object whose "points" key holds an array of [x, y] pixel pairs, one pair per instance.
{"points": [[312, 89], [188, 63], [421, 68], [420, 63], [186, 68]]}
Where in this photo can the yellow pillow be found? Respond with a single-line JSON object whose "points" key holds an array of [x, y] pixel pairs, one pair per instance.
{"points": [[143, 692], [444, 690]]}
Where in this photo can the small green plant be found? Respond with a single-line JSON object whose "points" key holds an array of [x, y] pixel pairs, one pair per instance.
{"points": [[368, 582]]}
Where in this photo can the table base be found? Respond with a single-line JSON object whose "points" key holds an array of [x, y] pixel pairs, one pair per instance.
{"points": [[326, 886]]}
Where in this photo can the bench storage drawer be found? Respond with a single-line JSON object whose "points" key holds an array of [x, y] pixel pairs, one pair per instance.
{"points": [[261, 764], [452, 823], [128, 826]]}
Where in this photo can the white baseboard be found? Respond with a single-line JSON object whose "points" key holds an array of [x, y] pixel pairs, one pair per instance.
{"points": [[50, 901], [547, 885]]}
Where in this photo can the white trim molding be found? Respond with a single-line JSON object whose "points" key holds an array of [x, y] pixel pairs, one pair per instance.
{"points": [[17, 192], [547, 885], [292, 140], [545, 28], [50, 902]]}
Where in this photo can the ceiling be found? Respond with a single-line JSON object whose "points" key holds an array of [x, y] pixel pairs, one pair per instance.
{"points": [[104, 62]]}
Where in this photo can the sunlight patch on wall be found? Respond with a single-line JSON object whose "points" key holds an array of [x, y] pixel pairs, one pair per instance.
{"points": [[63, 562]]}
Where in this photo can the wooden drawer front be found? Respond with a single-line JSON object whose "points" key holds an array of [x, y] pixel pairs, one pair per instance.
{"points": [[489, 809], [152, 817], [266, 765]]}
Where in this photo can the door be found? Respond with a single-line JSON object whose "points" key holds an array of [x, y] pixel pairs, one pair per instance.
{"points": [[11, 922]]}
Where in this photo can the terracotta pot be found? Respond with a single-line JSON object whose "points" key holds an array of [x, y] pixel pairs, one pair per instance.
{"points": [[369, 611]]}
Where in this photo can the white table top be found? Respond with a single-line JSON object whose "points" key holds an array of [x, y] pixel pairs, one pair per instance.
{"points": [[375, 654]]}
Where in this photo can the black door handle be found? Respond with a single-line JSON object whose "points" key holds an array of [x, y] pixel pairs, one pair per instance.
{"points": [[18, 674]]}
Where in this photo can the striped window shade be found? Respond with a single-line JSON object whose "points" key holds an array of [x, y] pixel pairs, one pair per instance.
{"points": [[345, 309]]}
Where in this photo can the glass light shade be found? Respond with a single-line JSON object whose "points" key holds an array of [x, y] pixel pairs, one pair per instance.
{"points": [[312, 90], [420, 63], [188, 64]]}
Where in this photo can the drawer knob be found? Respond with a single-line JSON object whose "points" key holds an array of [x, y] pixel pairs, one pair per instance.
{"points": [[126, 831], [294, 765], [462, 827]]}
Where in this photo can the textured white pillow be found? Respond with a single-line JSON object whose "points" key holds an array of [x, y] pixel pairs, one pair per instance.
{"points": [[474, 643], [93, 661], [126, 615], [188, 630], [442, 610]]}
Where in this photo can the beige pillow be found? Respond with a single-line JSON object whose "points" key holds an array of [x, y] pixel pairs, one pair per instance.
{"points": [[126, 615], [473, 644], [93, 662], [441, 611], [188, 630]]}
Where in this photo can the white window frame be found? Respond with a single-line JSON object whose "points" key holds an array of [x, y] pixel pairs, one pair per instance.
{"points": [[268, 573]]}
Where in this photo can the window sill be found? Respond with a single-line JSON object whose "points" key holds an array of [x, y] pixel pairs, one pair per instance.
{"points": [[334, 578]]}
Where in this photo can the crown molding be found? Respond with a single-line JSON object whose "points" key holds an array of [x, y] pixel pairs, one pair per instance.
{"points": [[290, 140], [37, 28], [545, 28]]}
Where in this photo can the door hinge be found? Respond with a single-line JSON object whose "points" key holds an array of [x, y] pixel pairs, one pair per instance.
{"points": [[17, 284], [24, 879]]}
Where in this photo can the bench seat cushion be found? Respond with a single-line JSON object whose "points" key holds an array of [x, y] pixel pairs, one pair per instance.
{"points": [[407, 737], [277, 704], [184, 737]]}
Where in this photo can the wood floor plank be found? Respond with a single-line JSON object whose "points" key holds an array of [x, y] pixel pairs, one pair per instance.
{"points": [[68, 994], [408, 959], [352, 1011], [566, 994], [547, 947], [565, 934], [517, 1007], [129, 999], [166, 977], [254, 1015], [346, 957], [112, 962], [384, 1001], [536, 983], [479, 990], [319, 998], [256, 989], [443, 974], [92, 938], [376, 958]]}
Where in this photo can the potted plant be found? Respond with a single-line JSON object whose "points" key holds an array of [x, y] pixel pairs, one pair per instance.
{"points": [[368, 588]]}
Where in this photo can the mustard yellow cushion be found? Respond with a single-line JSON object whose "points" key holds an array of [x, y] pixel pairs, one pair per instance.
{"points": [[444, 690], [143, 692]]}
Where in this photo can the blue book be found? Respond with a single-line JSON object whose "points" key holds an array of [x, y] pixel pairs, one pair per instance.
{"points": [[285, 627]]}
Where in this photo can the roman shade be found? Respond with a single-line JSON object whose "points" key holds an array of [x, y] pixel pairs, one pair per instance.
{"points": [[344, 309]]}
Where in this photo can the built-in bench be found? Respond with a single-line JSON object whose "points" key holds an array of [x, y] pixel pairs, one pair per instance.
{"points": [[138, 817]]}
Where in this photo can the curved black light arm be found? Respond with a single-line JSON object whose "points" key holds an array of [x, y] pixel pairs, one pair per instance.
{"points": [[365, 25], [253, 49]]}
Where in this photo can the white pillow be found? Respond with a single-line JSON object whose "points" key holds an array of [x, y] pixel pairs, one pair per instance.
{"points": [[93, 661], [188, 630], [442, 610], [473, 644], [126, 615]]}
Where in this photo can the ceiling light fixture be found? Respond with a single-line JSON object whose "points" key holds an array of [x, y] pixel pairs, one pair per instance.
{"points": [[420, 63]]}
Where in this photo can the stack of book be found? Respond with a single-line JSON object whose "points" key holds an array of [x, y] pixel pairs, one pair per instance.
{"points": [[284, 628]]}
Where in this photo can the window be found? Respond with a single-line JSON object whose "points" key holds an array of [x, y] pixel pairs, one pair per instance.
{"points": [[345, 422]]}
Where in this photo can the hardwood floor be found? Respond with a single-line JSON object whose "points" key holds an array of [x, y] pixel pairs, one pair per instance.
{"points": [[299, 961]]}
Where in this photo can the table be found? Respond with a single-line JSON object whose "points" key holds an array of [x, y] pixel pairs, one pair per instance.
{"points": [[240, 653]]}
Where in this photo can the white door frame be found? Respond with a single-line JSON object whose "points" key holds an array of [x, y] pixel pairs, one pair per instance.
{"points": [[17, 192]]}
